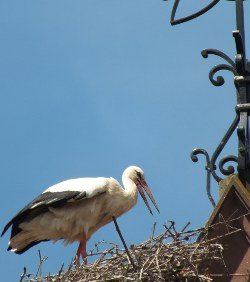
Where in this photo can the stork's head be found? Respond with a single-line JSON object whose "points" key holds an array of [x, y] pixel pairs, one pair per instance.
{"points": [[136, 174]]}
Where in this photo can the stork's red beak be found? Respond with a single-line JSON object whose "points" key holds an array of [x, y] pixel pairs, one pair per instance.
{"points": [[141, 186]]}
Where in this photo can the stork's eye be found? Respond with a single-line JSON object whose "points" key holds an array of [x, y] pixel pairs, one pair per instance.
{"points": [[139, 174]]}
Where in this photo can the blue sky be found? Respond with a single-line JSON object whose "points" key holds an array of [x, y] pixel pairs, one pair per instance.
{"points": [[90, 87]]}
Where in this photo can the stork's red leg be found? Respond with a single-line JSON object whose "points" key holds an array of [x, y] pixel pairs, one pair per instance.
{"points": [[81, 251]]}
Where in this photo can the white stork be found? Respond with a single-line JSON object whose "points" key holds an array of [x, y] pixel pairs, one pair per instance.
{"points": [[74, 209]]}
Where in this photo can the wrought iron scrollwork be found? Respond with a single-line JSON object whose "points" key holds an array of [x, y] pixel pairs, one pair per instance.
{"points": [[240, 68], [230, 66], [220, 80], [230, 169], [173, 21], [209, 167], [211, 162]]}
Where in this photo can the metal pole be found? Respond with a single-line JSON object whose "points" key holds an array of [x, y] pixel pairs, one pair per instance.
{"points": [[240, 19], [243, 95]]}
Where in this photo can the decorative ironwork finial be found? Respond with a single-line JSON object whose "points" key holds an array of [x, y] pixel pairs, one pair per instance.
{"points": [[240, 68]]}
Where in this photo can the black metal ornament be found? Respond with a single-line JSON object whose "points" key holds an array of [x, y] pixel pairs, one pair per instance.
{"points": [[240, 68]]}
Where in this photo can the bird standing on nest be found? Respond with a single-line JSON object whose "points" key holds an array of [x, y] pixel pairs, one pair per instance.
{"points": [[74, 209]]}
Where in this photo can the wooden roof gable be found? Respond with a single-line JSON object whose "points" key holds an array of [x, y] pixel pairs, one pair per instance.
{"points": [[229, 225]]}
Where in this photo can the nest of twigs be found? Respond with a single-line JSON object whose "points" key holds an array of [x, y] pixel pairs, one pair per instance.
{"points": [[170, 256]]}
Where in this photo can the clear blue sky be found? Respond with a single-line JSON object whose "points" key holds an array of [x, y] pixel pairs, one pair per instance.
{"points": [[90, 87]]}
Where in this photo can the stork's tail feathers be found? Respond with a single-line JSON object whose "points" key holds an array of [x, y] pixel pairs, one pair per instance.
{"points": [[22, 242]]}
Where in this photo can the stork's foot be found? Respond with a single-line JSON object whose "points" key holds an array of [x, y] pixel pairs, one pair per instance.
{"points": [[77, 258], [77, 261]]}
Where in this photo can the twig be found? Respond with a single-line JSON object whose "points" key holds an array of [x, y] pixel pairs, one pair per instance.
{"points": [[143, 268], [23, 274], [183, 229], [61, 270], [41, 261], [153, 231], [172, 225]]}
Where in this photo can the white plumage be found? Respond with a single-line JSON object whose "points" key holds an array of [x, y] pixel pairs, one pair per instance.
{"points": [[74, 209]]}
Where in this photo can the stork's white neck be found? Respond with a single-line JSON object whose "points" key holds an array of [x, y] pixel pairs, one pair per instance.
{"points": [[130, 189]]}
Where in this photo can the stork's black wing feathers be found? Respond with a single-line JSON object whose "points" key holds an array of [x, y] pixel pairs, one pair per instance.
{"points": [[27, 247], [40, 205]]}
